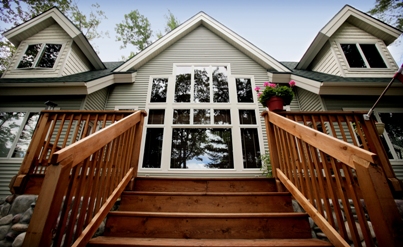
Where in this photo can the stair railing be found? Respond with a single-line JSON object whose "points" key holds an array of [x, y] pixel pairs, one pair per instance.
{"points": [[331, 179], [82, 183]]}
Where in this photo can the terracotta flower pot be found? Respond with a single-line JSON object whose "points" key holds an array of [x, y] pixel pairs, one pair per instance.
{"points": [[275, 103]]}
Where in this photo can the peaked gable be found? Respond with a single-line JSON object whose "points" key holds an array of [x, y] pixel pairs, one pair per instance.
{"points": [[359, 19], [29, 28], [185, 28]]}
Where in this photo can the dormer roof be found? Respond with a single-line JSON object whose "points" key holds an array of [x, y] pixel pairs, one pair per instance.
{"points": [[185, 28], [29, 28], [360, 19]]}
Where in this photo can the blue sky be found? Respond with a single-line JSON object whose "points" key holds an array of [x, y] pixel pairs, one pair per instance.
{"points": [[283, 29]]}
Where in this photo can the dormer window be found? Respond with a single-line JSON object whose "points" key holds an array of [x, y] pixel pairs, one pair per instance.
{"points": [[363, 56], [40, 56]]}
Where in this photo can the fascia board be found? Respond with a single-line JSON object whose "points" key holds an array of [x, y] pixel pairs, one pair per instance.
{"points": [[95, 85], [58, 88], [313, 50], [359, 88], [307, 84]]}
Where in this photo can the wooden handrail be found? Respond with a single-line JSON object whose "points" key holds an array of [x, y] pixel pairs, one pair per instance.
{"points": [[328, 177], [83, 183]]}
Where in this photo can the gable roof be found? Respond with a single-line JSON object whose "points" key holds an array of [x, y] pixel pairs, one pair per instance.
{"points": [[25, 30], [360, 19], [203, 19]]}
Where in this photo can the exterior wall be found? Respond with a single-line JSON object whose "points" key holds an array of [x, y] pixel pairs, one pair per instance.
{"points": [[54, 34], [199, 46], [309, 101], [10, 167], [96, 100], [350, 33], [326, 62], [76, 62]]}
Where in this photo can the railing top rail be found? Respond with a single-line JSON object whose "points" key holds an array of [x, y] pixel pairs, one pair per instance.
{"points": [[88, 111], [89, 144], [344, 151], [316, 113]]}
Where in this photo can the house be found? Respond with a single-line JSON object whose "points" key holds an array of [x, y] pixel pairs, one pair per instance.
{"points": [[196, 83]]}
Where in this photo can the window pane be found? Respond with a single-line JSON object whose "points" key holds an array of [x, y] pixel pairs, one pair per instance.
{"points": [[220, 84], [202, 84], [394, 129], [183, 84], [372, 55], [10, 123], [201, 116], [202, 149], [28, 58], [353, 56], [244, 90], [181, 117], [153, 148], [159, 90], [247, 117], [156, 117], [222, 116], [26, 136], [49, 56], [250, 148]]}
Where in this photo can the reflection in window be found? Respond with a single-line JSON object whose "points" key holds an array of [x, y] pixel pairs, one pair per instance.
{"points": [[220, 84], [372, 55], [28, 58], [39, 55], [156, 116], [250, 148], [181, 117], [247, 117], [153, 148], [201, 84], [355, 57], [183, 84], [394, 131], [201, 149], [50, 53], [222, 116], [11, 132], [159, 90], [201, 116], [244, 90]]}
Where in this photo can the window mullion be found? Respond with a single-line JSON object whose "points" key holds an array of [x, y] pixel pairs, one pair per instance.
{"points": [[39, 56], [363, 56]]}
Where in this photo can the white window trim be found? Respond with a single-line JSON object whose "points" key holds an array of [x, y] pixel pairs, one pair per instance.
{"points": [[233, 105], [43, 44]]}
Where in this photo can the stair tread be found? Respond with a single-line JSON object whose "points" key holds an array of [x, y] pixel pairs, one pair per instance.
{"points": [[205, 215], [125, 241], [206, 193]]}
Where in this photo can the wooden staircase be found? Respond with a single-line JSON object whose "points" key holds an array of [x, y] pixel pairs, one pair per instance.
{"points": [[206, 212]]}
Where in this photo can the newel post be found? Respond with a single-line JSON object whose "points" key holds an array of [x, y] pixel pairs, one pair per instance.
{"points": [[274, 158], [137, 142]]}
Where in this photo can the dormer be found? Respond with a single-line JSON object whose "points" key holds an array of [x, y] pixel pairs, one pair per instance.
{"points": [[49, 45], [352, 44]]}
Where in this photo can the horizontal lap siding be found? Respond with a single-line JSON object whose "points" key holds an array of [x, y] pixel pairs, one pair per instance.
{"points": [[96, 100], [52, 34], [309, 101], [326, 62], [76, 62], [7, 171], [199, 46]]}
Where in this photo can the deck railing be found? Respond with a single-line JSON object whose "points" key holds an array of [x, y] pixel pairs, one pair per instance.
{"points": [[331, 178], [83, 180]]}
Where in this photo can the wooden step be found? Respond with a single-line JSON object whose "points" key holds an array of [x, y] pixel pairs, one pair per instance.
{"points": [[121, 242], [208, 225], [207, 202], [205, 184]]}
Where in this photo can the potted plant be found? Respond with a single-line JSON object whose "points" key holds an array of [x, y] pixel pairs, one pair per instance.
{"points": [[266, 165], [275, 96]]}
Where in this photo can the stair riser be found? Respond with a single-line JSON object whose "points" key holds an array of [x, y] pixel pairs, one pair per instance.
{"points": [[207, 227], [206, 203], [203, 185]]}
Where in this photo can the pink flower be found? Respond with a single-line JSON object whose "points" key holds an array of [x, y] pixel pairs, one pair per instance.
{"points": [[266, 84], [272, 85], [292, 83], [259, 94], [257, 89]]}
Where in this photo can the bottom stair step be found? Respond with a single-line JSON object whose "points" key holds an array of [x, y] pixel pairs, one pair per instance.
{"points": [[119, 241]]}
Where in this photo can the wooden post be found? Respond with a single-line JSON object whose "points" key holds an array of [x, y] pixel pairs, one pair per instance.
{"points": [[137, 142], [382, 209], [48, 206]]}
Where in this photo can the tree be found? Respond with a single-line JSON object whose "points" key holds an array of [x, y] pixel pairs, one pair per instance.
{"points": [[134, 30], [171, 24], [390, 11]]}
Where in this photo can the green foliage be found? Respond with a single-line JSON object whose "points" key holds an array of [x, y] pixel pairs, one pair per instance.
{"points": [[271, 90], [266, 165], [390, 11], [171, 24], [134, 30]]}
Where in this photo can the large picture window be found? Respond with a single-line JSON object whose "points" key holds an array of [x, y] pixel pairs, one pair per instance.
{"points": [[40, 56], [209, 121]]}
